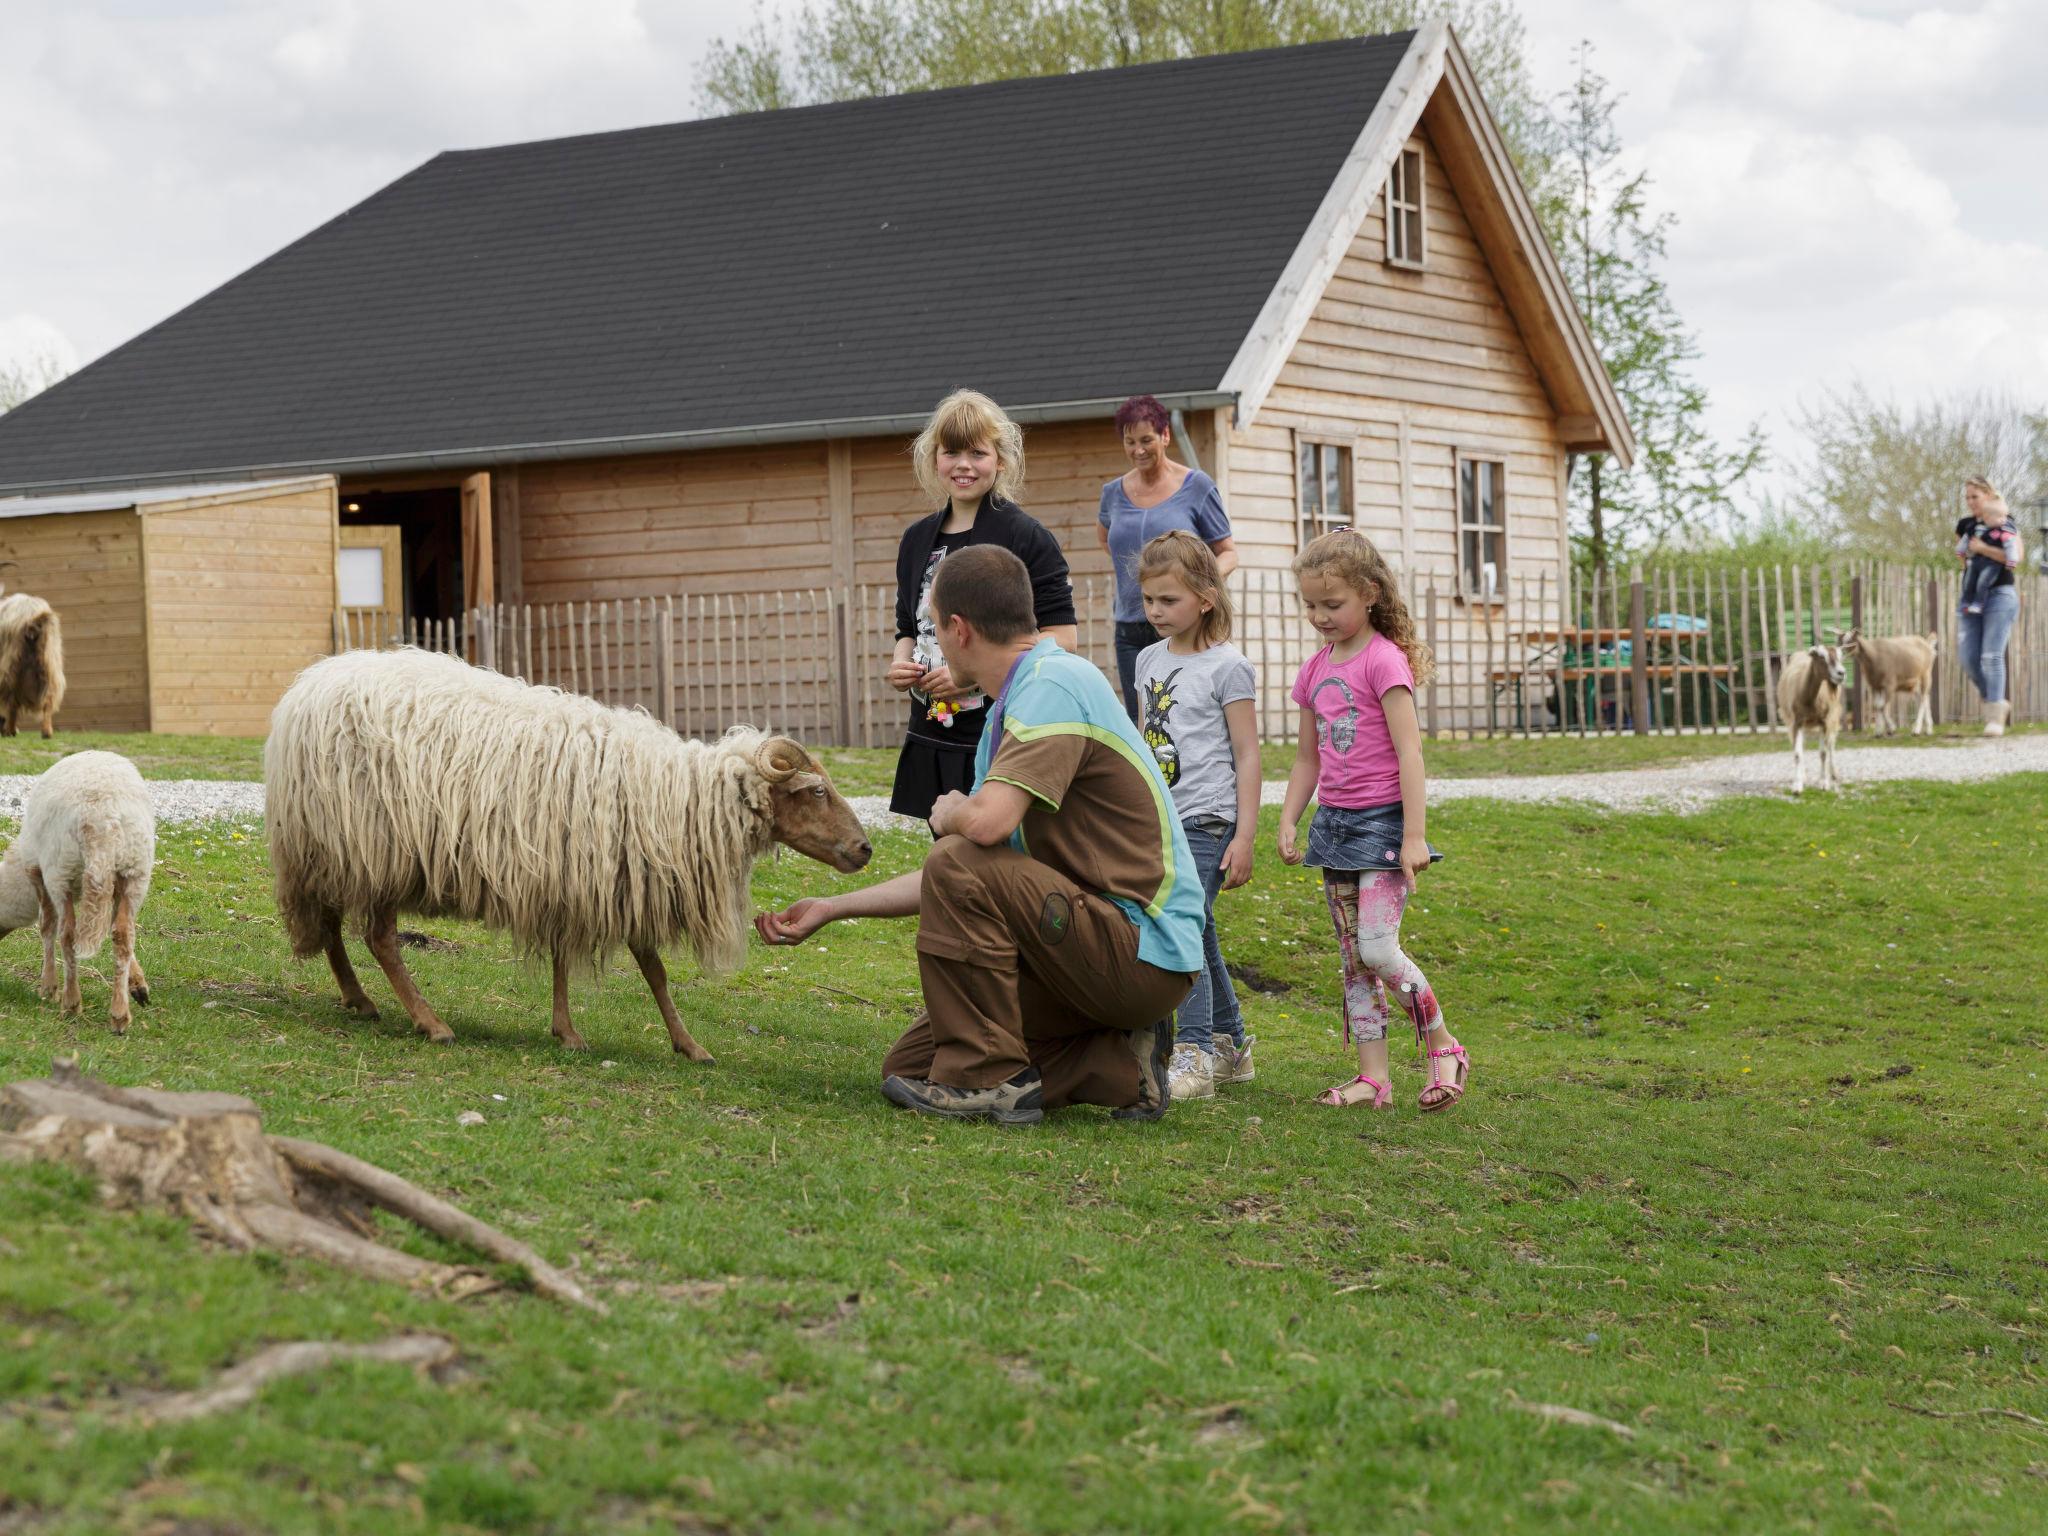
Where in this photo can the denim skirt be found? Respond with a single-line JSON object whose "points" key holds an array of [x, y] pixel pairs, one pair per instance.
{"points": [[1365, 839]]}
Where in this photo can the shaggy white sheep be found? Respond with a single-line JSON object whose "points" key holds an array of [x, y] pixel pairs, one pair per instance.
{"points": [[80, 869], [400, 781], [31, 662], [1810, 698]]}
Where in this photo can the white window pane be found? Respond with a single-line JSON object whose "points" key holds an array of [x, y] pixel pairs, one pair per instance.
{"points": [[1333, 482], [359, 574]]}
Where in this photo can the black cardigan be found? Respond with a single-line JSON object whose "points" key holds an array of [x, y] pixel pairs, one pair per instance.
{"points": [[996, 522]]}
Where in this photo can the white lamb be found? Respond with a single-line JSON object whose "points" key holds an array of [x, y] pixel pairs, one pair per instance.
{"points": [[80, 869]]}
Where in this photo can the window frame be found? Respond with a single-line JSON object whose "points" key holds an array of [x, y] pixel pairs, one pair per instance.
{"points": [[1470, 581], [1399, 202], [1324, 443]]}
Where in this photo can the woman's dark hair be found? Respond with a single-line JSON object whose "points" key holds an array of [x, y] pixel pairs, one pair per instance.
{"points": [[1144, 408]]}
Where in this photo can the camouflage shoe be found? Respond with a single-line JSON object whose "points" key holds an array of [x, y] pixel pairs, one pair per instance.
{"points": [[1234, 1061], [1020, 1101], [1154, 1048]]}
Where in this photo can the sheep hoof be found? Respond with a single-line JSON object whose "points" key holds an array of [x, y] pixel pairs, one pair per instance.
{"points": [[140, 994], [437, 1034], [361, 1007], [120, 1025], [573, 1042]]}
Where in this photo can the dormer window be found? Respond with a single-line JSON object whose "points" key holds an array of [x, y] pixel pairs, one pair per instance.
{"points": [[1404, 210]]}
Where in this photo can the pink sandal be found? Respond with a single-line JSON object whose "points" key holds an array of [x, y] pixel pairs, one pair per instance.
{"points": [[1449, 1092], [1344, 1095]]}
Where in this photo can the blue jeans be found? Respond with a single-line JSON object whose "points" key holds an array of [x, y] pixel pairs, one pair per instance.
{"points": [[1981, 640], [1211, 1007]]}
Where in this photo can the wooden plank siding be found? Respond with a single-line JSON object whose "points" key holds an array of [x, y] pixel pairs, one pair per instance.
{"points": [[88, 566], [1430, 362], [240, 597]]}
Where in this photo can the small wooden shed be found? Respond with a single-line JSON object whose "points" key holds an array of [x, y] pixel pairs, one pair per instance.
{"points": [[186, 609]]}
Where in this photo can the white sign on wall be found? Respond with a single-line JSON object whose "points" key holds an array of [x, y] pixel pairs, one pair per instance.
{"points": [[359, 574]]}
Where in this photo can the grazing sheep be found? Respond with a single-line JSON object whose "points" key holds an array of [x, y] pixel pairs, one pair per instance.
{"points": [[1897, 667], [399, 781], [1810, 695], [80, 868], [31, 662]]}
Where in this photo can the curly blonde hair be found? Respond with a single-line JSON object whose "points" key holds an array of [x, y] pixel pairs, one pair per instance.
{"points": [[1192, 563], [1348, 556], [969, 419]]}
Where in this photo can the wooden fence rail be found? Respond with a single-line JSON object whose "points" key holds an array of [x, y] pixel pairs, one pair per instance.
{"points": [[1635, 652]]}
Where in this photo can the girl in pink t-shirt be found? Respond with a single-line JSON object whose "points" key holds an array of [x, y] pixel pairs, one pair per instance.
{"points": [[1360, 755]]}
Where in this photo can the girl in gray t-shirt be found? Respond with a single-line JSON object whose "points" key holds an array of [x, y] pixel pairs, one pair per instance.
{"points": [[1195, 710]]}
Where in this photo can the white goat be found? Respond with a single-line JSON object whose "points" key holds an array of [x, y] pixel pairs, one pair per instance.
{"points": [[1897, 666], [81, 869], [1810, 695]]}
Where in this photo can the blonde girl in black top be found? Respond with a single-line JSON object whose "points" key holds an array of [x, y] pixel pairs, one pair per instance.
{"points": [[970, 461]]}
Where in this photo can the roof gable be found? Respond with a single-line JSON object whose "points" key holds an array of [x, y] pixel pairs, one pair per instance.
{"points": [[1067, 239]]}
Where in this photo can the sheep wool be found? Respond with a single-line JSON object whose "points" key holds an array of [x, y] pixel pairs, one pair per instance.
{"points": [[31, 661], [88, 822], [406, 781]]}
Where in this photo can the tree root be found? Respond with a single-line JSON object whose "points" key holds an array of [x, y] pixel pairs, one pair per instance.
{"points": [[205, 1155], [240, 1384]]}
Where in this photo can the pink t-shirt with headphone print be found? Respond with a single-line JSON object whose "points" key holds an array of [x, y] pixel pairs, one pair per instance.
{"points": [[1359, 767]]}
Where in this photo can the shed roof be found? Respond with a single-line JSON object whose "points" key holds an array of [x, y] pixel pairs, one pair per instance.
{"points": [[119, 498], [1055, 241]]}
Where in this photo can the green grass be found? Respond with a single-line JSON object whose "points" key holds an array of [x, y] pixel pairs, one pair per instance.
{"points": [[1750, 1164], [156, 757], [872, 771]]}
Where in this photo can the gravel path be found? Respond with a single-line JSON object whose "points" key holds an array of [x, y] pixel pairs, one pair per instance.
{"points": [[1677, 787]]}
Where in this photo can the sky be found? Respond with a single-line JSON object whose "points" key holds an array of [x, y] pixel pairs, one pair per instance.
{"points": [[1856, 183]]}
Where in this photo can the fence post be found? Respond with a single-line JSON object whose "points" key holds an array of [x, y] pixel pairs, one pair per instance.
{"points": [[1429, 619], [842, 641], [665, 662], [1856, 623], [1639, 654], [1934, 623]]}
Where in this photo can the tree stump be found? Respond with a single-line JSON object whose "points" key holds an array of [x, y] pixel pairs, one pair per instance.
{"points": [[205, 1156]]}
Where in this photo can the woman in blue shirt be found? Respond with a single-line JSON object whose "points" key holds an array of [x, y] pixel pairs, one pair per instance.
{"points": [[1157, 495]]}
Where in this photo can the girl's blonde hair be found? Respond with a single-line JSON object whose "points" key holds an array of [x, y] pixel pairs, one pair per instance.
{"points": [[967, 419], [1192, 563], [1349, 556]]}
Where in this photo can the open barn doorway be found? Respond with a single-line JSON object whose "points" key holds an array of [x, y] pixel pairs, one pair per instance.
{"points": [[414, 554]]}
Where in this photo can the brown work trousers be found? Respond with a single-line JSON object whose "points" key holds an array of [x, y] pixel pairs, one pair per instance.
{"points": [[1022, 968]]}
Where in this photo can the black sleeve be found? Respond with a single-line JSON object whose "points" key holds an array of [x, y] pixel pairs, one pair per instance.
{"points": [[1963, 526], [1052, 592], [909, 554]]}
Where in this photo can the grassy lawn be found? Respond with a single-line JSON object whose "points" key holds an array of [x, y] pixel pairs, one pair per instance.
{"points": [[1751, 1165], [871, 771]]}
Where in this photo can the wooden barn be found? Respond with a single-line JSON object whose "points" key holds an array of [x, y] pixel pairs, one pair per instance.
{"points": [[683, 363]]}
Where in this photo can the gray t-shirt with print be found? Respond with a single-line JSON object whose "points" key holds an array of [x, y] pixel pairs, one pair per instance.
{"points": [[1181, 701]]}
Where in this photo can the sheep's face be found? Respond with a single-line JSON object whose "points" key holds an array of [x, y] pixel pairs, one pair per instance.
{"points": [[806, 813], [18, 905]]}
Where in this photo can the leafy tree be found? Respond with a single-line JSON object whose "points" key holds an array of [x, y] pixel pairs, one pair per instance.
{"points": [[1610, 247], [1887, 480], [842, 50], [30, 376]]}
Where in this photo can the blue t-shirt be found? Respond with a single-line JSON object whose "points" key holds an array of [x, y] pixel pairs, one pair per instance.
{"points": [[1196, 507], [1100, 813]]}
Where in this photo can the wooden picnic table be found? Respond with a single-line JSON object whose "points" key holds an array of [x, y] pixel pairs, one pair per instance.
{"points": [[1581, 659]]}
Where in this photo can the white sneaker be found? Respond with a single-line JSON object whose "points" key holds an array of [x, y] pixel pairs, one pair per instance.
{"points": [[1233, 1061], [1191, 1074]]}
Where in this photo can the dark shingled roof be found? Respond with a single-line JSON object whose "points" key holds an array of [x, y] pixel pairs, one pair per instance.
{"points": [[1076, 237]]}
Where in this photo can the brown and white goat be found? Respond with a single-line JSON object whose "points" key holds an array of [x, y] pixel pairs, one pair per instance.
{"points": [[1897, 667], [398, 781], [1810, 698]]}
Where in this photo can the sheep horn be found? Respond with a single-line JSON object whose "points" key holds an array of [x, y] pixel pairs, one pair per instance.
{"points": [[779, 759]]}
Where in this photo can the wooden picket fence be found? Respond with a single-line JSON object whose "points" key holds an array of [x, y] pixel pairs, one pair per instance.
{"points": [[1638, 652]]}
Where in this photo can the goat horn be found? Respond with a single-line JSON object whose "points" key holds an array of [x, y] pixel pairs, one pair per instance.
{"points": [[779, 759]]}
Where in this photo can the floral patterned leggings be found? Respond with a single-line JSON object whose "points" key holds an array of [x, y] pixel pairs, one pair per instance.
{"points": [[1366, 908]]}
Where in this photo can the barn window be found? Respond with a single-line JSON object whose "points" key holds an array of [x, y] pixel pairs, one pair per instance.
{"points": [[1483, 528], [1404, 210], [1323, 487]]}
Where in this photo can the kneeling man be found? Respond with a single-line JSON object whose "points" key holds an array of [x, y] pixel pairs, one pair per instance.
{"points": [[1059, 914]]}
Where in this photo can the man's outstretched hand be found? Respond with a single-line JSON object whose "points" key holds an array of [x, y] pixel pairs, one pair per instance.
{"points": [[794, 923]]}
